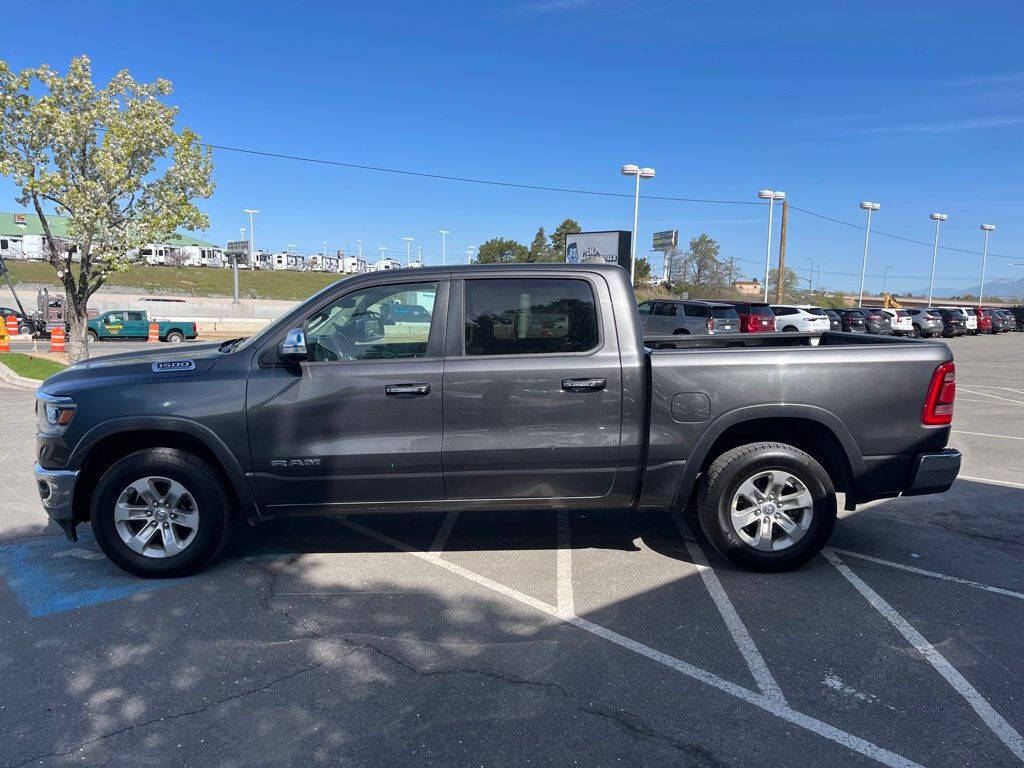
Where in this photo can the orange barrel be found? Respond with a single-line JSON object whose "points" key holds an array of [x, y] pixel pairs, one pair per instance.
{"points": [[57, 339], [154, 333], [12, 325]]}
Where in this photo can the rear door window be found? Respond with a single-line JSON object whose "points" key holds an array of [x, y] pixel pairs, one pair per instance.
{"points": [[665, 309], [696, 310], [530, 316], [761, 309], [725, 313]]}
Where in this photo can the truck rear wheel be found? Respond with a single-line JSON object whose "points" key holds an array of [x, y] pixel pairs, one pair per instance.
{"points": [[90, 336], [161, 512], [175, 337], [767, 506]]}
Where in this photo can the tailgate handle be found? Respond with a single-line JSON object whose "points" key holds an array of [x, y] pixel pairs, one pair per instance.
{"points": [[407, 390], [583, 385]]}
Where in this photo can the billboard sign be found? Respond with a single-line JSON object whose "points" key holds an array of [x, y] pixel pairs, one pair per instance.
{"points": [[667, 240], [237, 248], [598, 247]]}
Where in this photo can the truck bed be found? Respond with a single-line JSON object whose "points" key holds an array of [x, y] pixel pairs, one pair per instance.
{"points": [[739, 340]]}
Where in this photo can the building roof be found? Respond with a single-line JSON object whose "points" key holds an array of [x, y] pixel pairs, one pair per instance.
{"points": [[59, 228]]}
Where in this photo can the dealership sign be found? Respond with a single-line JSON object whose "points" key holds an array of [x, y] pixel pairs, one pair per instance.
{"points": [[237, 248], [598, 247], [664, 241]]}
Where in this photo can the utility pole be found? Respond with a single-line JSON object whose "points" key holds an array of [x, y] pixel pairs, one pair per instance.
{"points": [[782, 253], [732, 268]]}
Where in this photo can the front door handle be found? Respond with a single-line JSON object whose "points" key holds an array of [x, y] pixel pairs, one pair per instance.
{"points": [[583, 385], [407, 390]]}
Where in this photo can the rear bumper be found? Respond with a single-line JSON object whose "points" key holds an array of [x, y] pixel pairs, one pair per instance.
{"points": [[57, 491], [933, 472]]}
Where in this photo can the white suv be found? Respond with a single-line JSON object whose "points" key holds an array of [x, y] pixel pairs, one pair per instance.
{"points": [[902, 324], [803, 319], [970, 319]]}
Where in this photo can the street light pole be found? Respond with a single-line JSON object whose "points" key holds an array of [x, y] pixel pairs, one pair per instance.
{"points": [[870, 208], [444, 235], [885, 278], [810, 280], [469, 253], [986, 228], [640, 173], [252, 233], [938, 218], [771, 196], [408, 246]]}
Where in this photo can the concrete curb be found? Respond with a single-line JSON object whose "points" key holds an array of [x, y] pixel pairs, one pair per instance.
{"points": [[9, 376]]}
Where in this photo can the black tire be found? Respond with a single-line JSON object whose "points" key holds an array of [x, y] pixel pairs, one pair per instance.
{"points": [[735, 466], [90, 336], [680, 332], [789, 329], [203, 484], [175, 337]]}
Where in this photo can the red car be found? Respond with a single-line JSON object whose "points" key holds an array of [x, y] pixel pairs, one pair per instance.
{"points": [[755, 316], [984, 319]]}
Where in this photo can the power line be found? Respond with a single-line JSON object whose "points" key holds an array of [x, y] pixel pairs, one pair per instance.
{"points": [[574, 191]]}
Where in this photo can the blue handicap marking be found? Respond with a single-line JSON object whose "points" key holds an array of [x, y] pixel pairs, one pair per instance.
{"points": [[52, 574]]}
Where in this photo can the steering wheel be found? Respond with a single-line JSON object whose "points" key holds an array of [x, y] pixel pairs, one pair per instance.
{"points": [[339, 345]]}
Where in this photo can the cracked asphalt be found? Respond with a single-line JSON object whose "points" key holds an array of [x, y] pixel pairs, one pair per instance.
{"points": [[594, 639]]}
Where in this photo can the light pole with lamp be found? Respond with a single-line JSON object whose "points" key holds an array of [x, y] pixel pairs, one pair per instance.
{"points": [[986, 228], [810, 280], [640, 173], [408, 246], [885, 277], [771, 196], [469, 253], [444, 235], [870, 208], [938, 218]]}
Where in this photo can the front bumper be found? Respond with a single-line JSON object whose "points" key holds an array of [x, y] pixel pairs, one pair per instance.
{"points": [[57, 491], [933, 472]]}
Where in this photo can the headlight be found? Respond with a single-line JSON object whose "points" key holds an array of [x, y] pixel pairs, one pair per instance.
{"points": [[53, 414]]}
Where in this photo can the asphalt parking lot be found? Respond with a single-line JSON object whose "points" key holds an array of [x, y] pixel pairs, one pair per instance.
{"points": [[540, 639]]}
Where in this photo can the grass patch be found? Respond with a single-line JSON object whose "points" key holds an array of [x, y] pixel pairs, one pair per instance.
{"points": [[194, 281], [30, 367]]}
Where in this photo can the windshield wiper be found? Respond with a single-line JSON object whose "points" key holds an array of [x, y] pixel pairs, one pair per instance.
{"points": [[228, 345]]}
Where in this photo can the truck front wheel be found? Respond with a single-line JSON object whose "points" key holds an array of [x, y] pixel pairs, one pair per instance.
{"points": [[767, 506], [161, 512]]}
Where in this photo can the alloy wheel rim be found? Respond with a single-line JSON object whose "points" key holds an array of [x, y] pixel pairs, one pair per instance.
{"points": [[156, 517], [772, 510]]}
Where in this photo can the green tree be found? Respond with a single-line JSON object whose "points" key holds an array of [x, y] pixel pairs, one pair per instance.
{"points": [[567, 227], [107, 158], [539, 246], [642, 271], [790, 284], [498, 250]]}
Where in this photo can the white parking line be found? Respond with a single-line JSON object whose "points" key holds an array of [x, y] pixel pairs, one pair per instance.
{"points": [[1007, 483], [783, 711], [1006, 732], [931, 574], [738, 630], [994, 397], [991, 386], [566, 605], [985, 434], [444, 532]]}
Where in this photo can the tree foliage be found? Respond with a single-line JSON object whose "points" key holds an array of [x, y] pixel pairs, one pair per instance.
{"points": [[642, 271], [107, 158], [563, 230], [790, 284], [499, 250], [539, 246]]}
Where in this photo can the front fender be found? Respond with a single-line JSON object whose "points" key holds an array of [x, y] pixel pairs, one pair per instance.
{"points": [[232, 468]]}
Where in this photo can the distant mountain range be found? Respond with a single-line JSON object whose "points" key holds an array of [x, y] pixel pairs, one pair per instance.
{"points": [[1001, 288]]}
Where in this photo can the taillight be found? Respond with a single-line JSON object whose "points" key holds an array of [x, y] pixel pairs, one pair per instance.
{"points": [[711, 324], [193, 328], [750, 322], [938, 404]]}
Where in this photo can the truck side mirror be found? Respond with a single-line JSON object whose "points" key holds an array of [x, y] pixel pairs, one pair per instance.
{"points": [[293, 348]]}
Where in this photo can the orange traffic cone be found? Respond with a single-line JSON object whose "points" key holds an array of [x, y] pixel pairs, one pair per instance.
{"points": [[12, 325], [154, 333], [57, 339]]}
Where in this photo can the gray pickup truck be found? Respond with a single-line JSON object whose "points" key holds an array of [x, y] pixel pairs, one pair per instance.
{"points": [[518, 387]]}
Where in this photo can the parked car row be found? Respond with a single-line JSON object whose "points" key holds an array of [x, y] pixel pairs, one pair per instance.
{"points": [[690, 317]]}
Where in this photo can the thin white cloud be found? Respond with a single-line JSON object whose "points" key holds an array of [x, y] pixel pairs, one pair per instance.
{"points": [[1004, 78], [546, 7], [944, 126]]}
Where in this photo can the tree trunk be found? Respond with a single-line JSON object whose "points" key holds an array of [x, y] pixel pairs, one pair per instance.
{"points": [[77, 346]]}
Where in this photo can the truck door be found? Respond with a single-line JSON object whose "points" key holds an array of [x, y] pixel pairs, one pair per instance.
{"points": [[532, 390], [359, 423], [135, 325], [112, 324]]}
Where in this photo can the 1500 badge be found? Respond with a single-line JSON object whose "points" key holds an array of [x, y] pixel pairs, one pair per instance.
{"points": [[283, 463], [174, 365]]}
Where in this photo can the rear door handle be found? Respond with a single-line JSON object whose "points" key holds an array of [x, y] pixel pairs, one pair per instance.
{"points": [[583, 385], [407, 390]]}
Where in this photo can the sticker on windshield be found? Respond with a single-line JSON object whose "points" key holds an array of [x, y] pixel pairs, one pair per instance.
{"points": [[174, 365]]}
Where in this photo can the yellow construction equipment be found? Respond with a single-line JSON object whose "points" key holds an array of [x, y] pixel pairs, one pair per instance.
{"points": [[889, 301]]}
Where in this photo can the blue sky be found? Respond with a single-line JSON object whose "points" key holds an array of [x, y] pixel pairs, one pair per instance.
{"points": [[919, 108]]}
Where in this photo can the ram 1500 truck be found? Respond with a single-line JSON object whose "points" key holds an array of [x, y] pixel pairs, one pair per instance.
{"points": [[518, 387], [134, 324]]}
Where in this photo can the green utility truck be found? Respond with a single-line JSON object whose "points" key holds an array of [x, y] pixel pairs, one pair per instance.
{"points": [[134, 324]]}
